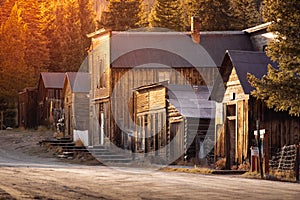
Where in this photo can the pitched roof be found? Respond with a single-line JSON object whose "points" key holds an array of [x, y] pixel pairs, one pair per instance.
{"points": [[191, 103], [79, 81], [217, 43], [249, 62], [53, 79], [174, 49]]}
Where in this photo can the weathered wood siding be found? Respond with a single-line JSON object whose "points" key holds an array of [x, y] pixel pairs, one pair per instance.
{"points": [[68, 111], [150, 120], [81, 111], [236, 135], [124, 80], [282, 129], [232, 136], [28, 108]]}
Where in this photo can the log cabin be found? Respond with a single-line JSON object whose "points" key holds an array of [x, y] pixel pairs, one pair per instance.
{"points": [[49, 95], [75, 95], [238, 111], [120, 62]]}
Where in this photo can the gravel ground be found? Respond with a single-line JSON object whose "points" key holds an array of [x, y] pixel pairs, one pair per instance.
{"points": [[28, 171]]}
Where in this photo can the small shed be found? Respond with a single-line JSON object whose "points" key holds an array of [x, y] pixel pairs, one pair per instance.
{"points": [[238, 111], [49, 97], [76, 102], [173, 121], [27, 109]]}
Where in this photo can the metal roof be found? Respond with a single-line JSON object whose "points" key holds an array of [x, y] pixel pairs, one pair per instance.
{"points": [[79, 81], [252, 62], [171, 48], [53, 79], [174, 49], [217, 43], [190, 102]]}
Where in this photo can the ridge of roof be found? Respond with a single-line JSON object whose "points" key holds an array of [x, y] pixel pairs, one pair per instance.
{"points": [[257, 28]]}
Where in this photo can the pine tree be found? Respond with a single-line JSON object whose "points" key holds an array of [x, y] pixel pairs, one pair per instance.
{"points": [[167, 14], [36, 46], [68, 47], [280, 88], [245, 14], [123, 15], [87, 21], [14, 73], [5, 9], [214, 15]]}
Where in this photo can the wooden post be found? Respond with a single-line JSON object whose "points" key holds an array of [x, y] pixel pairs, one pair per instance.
{"points": [[1, 120], [267, 153], [259, 150], [297, 162]]}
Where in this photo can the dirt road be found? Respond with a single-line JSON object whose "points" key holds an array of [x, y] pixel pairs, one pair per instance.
{"points": [[26, 172]]}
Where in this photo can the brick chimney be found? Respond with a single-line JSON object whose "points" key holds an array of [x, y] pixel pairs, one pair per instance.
{"points": [[195, 29]]}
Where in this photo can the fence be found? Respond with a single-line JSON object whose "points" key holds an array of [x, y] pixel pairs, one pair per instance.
{"points": [[286, 160]]}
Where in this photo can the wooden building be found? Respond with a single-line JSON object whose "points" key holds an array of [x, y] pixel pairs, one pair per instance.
{"points": [[49, 96], [259, 36], [75, 96], [238, 111], [120, 62], [173, 121], [27, 109]]}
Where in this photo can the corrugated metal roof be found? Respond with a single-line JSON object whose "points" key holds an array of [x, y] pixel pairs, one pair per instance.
{"points": [[190, 102], [253, 62], [174, 49], [79, 81], [53, 79]]}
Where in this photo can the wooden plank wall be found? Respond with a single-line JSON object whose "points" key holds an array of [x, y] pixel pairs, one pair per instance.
{"points": [[282, 128], [124, 80], [81, 111]]}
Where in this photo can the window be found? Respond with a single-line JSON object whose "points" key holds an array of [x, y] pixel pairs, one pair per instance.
{"points": [[102, 73]]}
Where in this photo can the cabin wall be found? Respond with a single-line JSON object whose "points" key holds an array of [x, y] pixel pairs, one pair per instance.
{"points": [[124, 80], [68, 111], [150, 121], [281, 128], [240, 112], [232, 135], [81, 111], [49, 105], [261, 39], [28, 108]]}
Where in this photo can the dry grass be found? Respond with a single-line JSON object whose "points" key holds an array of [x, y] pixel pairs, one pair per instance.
{"points": [[273, 175], [194, 170], [220, 164], [284, 175], [79, 143], [254, 175]]}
